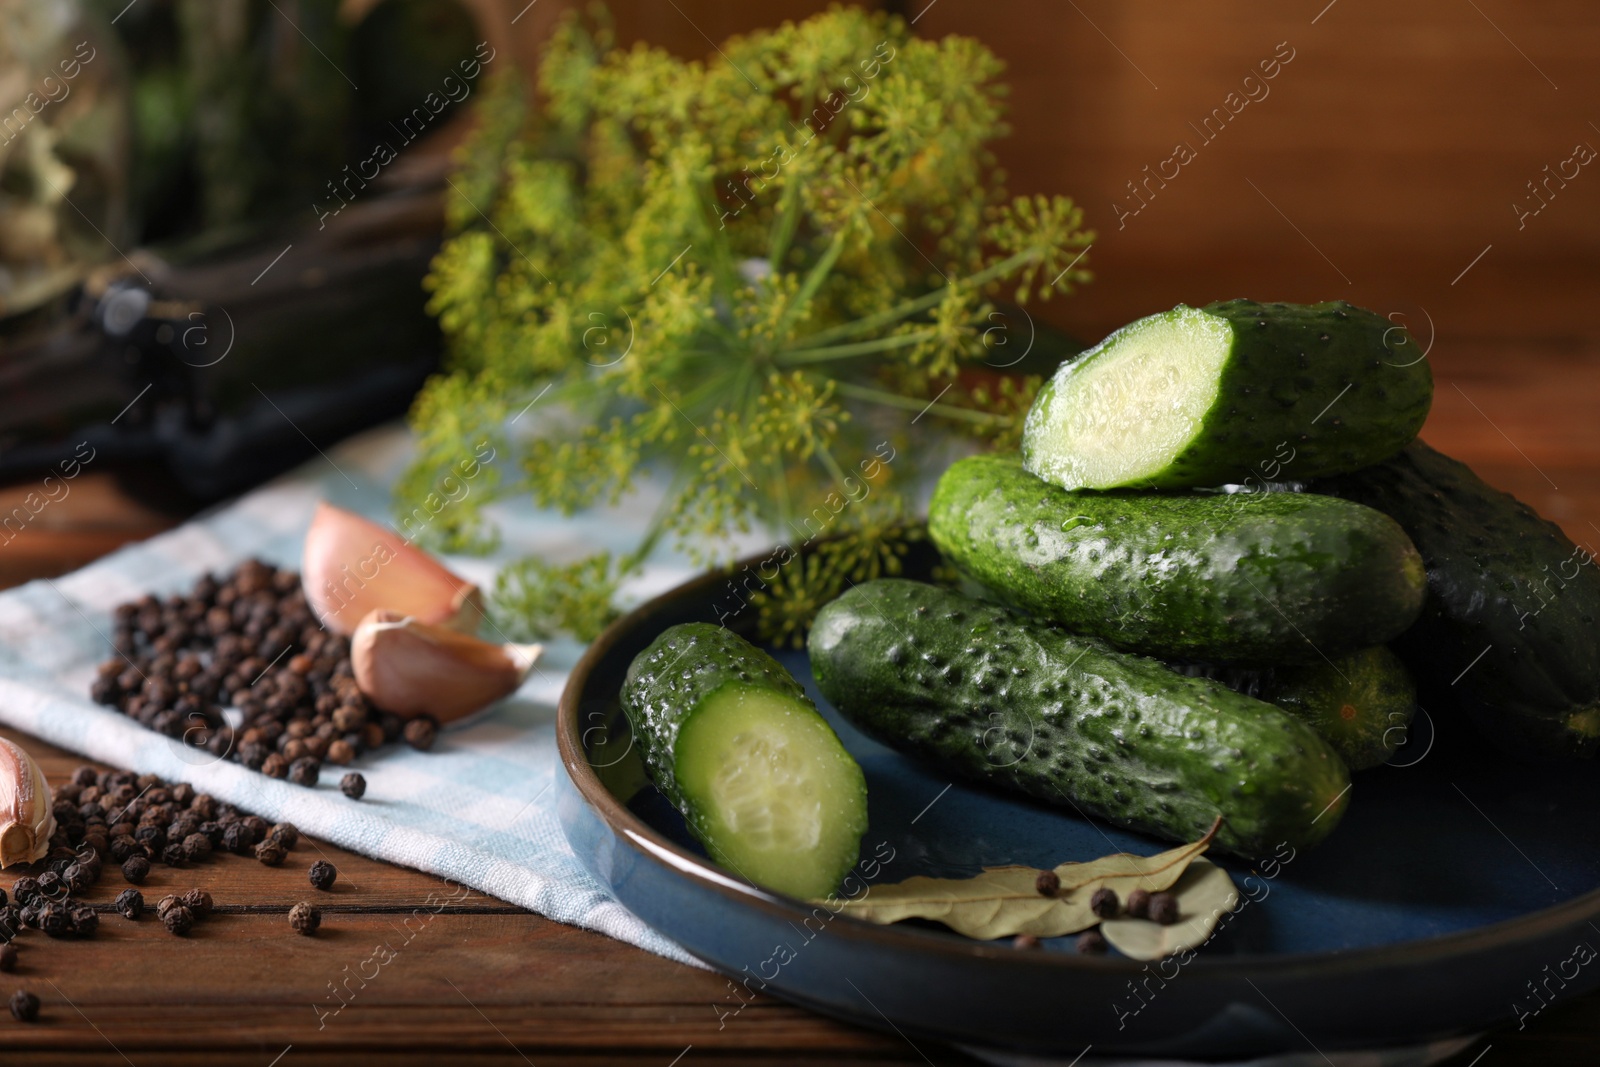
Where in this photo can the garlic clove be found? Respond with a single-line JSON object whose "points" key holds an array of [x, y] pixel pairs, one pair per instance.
{"points": [[409, 667], [352, 566], [26, 818]]}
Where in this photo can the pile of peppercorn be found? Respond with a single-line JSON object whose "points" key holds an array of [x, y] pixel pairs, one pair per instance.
{"points": [[248, 641], [130, 820]]}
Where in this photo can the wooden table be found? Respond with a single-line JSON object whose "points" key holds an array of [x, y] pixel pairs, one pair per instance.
{"points": [[473, 980]]}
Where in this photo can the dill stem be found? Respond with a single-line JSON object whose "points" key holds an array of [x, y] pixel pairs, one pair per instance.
{"points": [[793, 356], [910, 307], [907, 403]]}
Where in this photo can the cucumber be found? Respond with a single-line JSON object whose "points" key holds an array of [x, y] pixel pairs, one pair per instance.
{"points": [[1228, 393], [994, 696], [1245, 578], [1361, 703], [1507, 634], [736, 745]]}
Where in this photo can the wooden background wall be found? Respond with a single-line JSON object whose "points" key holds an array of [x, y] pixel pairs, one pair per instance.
{"points": [[1386, 156]]}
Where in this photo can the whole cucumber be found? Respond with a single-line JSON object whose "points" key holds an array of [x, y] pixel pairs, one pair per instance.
{"points": [[736, 745], [1361, 703], [1252, 578], [1000, 698], [1508, 630], [1228, 393]]}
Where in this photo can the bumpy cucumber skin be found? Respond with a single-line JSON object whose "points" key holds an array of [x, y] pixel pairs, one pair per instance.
{"points": [[685, 666], [1504, 584], [1002, 699], [1371, 686], [1243, 578], [1284, 383]]}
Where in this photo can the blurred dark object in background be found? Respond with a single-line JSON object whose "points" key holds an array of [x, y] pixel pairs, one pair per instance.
{"points": [[175, 284]]}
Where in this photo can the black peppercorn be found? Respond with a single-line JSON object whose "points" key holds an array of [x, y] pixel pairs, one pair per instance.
{"points": [[238, 839], [197, 901], [195, 846], [286, 834], [85, 920], [125, 847], [305, 918], [421, 732], [1164, 908], [78, 877], [1048, 883], [270, 853], [51, 885], [1139, 904], [24, 1006], [136, 869], [173, 855], [130, 902], [1092, 943], [323, 874], [353, 785], [54, 920], [178, 920], [30, 914], [8, 957], [166, 904], [304, 771], [25, 890], [1104, 903]]}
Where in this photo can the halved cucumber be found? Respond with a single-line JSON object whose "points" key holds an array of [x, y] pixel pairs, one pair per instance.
{"points": [[761, 779], [1232, 392]]}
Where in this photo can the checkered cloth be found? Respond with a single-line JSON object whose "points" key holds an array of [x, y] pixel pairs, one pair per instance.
{"points": [[478, 809]]}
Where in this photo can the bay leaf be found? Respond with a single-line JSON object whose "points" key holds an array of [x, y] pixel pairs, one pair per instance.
{"points": [[1205, 894], [1005, 901], [1125, 872]]}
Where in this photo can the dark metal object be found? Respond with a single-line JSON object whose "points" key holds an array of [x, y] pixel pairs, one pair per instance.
{"points": [[230, 366]]}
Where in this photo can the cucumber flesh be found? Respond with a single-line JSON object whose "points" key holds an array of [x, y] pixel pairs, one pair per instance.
{"points": [[1236, 392], [772, 794], [1123, 424], [730, 738]]}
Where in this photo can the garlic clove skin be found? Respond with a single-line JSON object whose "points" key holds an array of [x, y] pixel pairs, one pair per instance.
{"points": [[411, 668], [351, 566], [26, 818]]}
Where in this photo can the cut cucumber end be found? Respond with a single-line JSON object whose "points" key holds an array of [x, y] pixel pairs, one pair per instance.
{"points": [[1120, 413], [774, 795]]}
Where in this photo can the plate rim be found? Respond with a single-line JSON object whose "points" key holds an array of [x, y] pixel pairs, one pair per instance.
{"points": [[736, 889]]}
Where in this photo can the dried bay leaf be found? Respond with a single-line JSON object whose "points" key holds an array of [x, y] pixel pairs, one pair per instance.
{"points": [[1005, 901], [1205, 894], [1125, 872]]}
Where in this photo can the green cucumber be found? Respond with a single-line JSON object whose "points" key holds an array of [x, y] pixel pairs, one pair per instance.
{"points": [[1229, 393], [1508, 631], [1244, 578], [999, 698], [1360, 703], [736, 745]]}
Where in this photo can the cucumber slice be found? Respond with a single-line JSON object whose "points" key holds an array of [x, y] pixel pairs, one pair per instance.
{"points": [[761, 779], [1229, 393]]}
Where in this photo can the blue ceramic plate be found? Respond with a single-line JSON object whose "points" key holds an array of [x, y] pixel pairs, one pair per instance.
{"points": [[1458, 893]]}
